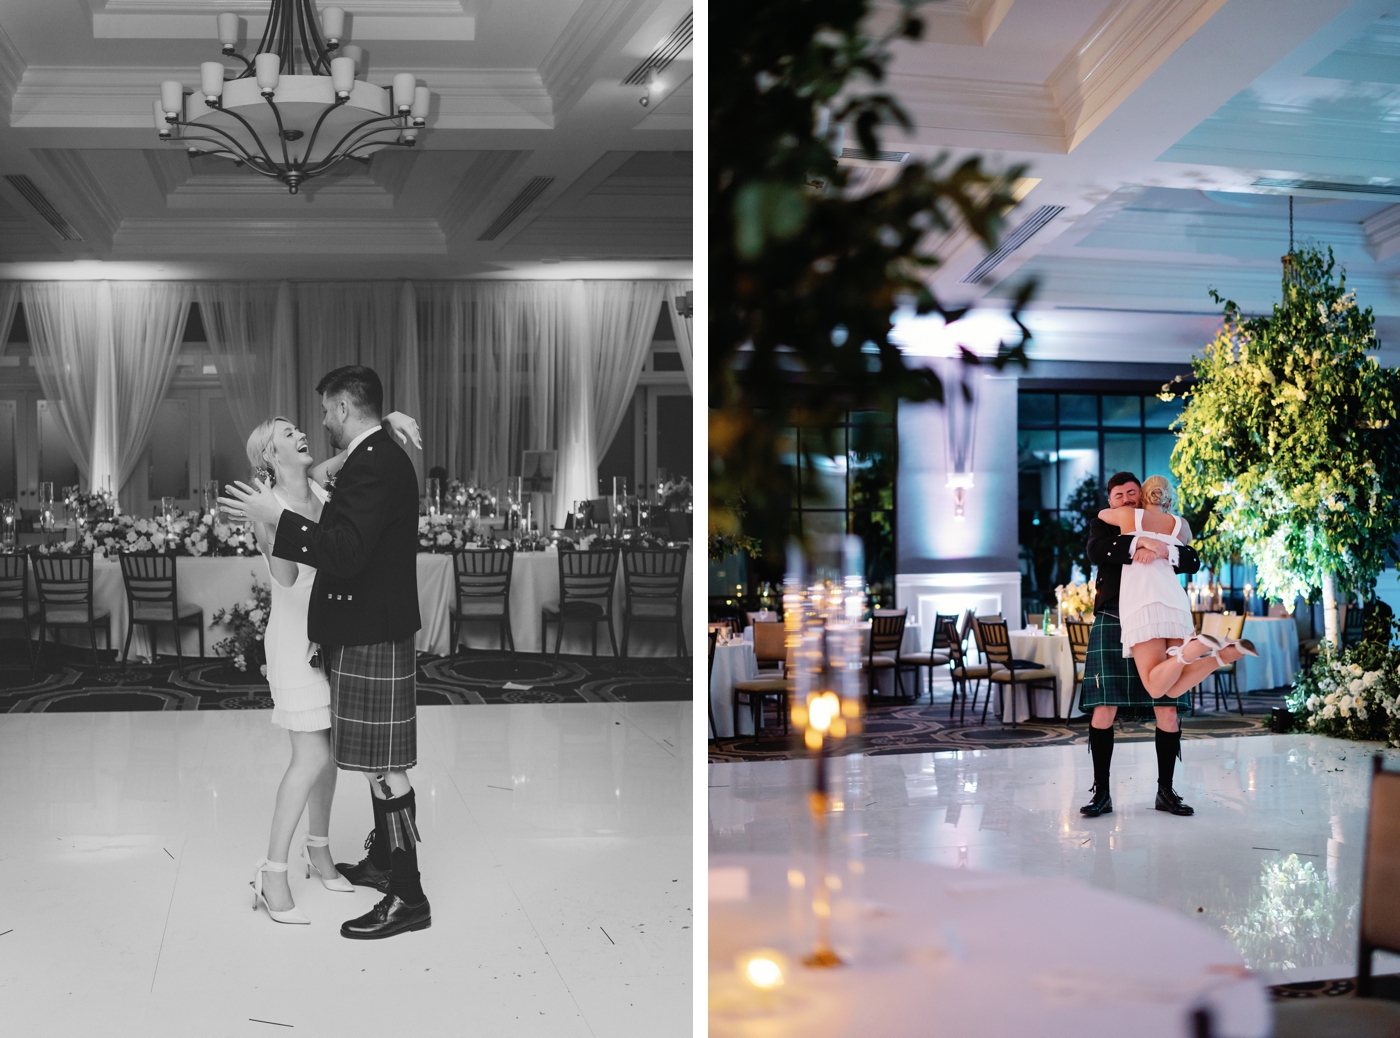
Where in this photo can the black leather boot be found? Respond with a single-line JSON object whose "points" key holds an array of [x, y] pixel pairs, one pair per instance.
{"points": [[1167, 800], [1100, 804], [368, 873]]}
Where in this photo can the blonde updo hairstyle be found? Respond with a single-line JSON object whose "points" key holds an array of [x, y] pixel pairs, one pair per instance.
{"points": [[1157, 492], [260, 448]]}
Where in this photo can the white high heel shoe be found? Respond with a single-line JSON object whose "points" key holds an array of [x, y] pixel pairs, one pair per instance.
{"points": [[1209, 641], [291, 915], [337, 882]]}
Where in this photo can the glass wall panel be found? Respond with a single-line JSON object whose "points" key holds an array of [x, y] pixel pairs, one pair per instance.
{"points": [[1036, 469], [1161, 413], [1035, 409], [871, 463], [1079, 410], [1078, 460], [876, 531], [1122, 411], [1122, 452], [56, 465], [9, 461], [168, 457], [824, 484], [1159, 456]]}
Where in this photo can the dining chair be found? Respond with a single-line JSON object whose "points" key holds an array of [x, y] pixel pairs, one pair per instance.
{"points": [[1078, 631], [481, 577], [1379, 924], [759, 616], [754, 692], [963, 673], [770, 644], [64, 583], [14, 595], [1225, 676], [587, 580], [653, 582], [886, 637], [937, 656], [152, 601], [709, 697], [996, 643], [1353, 624], [1034, 619]]}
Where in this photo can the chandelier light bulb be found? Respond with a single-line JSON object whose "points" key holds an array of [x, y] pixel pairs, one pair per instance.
{"points": [[404, 86], [342, 76], [409, 136], [333, 25], [211, 79], [172, 98], [354, 53], [268, 70], [162, 127], [228, 31], [421, 100]]}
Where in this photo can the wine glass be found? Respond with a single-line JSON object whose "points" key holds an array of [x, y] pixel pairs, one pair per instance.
{"points": [[46, 506], [9, 521]]}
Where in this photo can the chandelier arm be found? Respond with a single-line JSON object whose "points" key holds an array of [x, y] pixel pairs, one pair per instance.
{"points": [[248, 70], [281, 132], [267, 45], [247, 126], [315, 132], [339, 153], [351, 132], [388, 144], [319, 60], [239, 154], [288, 47]]}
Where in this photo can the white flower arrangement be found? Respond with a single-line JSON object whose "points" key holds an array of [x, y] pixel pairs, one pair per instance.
{"points": [[1076, 599]]}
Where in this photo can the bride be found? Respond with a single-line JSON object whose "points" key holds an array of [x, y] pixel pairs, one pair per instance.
{"points": [[281, 459], [1158, 631]]}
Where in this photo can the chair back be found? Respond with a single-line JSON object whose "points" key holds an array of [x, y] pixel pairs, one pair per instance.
{"points": [[761, 616], [994, 640], [1232, 626], [150, 582], [940, 633], [1213, 624], [482, 573], [653, 576], [1196, 616], [1078, 631], [588, 576], [1034, 619], [1380, 869], [1352, 624], [14, 573], [887, 631], [714, 637], [63, 580], [949, 629], [770, 641]]}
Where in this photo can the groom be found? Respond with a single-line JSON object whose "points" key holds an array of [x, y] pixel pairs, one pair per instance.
{"points": [[364, 612]]}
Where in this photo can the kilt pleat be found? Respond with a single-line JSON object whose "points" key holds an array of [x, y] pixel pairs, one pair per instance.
{"points": [[374, 716], [1111, 679]]}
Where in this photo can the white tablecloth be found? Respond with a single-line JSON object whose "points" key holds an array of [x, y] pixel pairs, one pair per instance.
{"points": [[1051, 651], [733, 662], [938, 951], [1276, 638], [217, 583]]}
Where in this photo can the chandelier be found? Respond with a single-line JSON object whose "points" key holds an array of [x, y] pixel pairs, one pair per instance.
{"points": [[281, 123]]}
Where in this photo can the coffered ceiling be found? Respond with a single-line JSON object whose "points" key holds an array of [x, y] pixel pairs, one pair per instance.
{"points": [[538, 160], [1163, 140]]}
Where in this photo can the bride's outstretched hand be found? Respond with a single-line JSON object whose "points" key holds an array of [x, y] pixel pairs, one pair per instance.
{"points": [[256, 503], [405, 428]]}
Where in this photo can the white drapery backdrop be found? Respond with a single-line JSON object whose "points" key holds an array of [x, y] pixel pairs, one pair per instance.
{"points": [[249, 329], [105, 353]]}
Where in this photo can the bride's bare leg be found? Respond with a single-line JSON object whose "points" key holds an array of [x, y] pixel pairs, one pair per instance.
{"points": [[1194, 673], [1160, 673]]}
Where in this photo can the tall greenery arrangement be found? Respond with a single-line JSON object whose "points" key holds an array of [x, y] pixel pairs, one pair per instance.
{"points": [[805, 276], [1289, 433]]}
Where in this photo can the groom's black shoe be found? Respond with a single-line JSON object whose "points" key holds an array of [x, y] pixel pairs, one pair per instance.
{"points": [[365, 874], [392, 915], [1167, 800], [1101, 804]]}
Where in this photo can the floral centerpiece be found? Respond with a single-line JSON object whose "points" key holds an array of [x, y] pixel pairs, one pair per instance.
{"points": [[248, 620], [676, 495], [189, 533], [1352, 695], [91, 505], [466, 497], [1076, 600]]}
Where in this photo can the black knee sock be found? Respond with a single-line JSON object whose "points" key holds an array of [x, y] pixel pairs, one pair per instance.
{"points": [[401, 825], [1168, 750], [1101, 747], [379, 839]]}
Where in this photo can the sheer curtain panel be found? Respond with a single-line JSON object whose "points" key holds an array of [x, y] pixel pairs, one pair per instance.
{"points": [[66, 320], [256, 365], [148, 321]]}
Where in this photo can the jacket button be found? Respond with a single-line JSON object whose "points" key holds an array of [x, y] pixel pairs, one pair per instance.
{"points": [[303, 549], [303, 529]]}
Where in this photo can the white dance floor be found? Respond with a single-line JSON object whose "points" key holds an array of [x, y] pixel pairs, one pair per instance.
{"points": [[557, 855], [1258, 800]]}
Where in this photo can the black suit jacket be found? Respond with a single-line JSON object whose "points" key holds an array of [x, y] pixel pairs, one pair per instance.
{"points": [[365, 549], [1108, 550]]}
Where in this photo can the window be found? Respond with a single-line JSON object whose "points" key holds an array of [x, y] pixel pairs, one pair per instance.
{"points": [[853, 490], [1068, 444]]}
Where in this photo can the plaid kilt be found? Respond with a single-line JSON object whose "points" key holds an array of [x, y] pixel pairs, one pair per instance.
{"points": [[374, 718], [1111, 679]]}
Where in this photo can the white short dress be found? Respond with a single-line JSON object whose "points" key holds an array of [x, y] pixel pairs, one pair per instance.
{"points": [[1151, 601], [301, 696]]}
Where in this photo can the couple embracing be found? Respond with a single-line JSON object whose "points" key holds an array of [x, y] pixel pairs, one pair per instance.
{"points": [[344, 594], [1144, 653]]}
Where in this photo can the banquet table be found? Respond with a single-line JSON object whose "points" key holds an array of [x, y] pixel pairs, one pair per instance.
{"points": [[944, 951], [217, 583], [1049, 650], [1276, 638]]}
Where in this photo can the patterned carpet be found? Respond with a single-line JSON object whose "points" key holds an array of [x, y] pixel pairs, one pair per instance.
{"points": [[1386, 987], [72, 683], [923, 728]]}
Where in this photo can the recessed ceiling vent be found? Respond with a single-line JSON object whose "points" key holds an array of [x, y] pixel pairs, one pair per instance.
{"points": [[43, 206], [518, 205], [1328, 185], [667, 51], [880, 156], [1013, 241]]}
